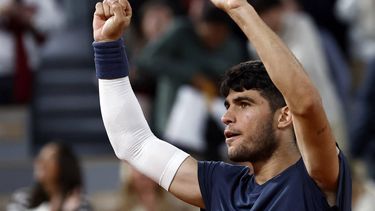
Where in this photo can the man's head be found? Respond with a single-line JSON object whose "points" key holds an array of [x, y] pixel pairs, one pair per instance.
{"points": [[252, 100], [252, 75]]}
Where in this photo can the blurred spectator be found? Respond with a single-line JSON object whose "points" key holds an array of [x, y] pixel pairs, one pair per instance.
{"points": [[154, 19], [193, 51], [194, 8], [363, 126], [298, 32], [360, 16], [58, 183], [137, 5], [324, 16], [142, 194], [24, 26]]}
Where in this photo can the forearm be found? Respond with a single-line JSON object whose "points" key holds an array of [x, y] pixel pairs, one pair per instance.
{"points": [[283, 68], [127, 129]]}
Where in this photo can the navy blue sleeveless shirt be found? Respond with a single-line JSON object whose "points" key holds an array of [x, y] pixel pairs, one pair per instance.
{"points": [[227, 187]]}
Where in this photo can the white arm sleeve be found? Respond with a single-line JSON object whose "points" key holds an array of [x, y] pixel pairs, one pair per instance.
{"points": [[131, 137]]}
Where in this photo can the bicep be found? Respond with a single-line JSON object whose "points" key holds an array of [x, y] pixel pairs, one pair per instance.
{"points": [[185, 184]]}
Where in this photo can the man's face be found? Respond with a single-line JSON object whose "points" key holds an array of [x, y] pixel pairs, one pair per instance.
{"points": [[249, 129]]}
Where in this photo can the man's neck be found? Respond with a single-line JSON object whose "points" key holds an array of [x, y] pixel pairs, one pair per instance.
{"points": [[276, 164]]}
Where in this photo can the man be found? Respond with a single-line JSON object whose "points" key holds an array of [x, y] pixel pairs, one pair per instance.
{"points": [[296, 165]]}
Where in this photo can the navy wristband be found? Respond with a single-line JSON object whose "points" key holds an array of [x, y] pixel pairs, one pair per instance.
{"points": [[110, 59]]}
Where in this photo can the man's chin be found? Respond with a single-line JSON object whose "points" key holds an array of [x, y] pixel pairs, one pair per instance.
{"points": [[235, 158]]}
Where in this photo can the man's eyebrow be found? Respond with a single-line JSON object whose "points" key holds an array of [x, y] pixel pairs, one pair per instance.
{"points": [[242, 98], [239, 99]]}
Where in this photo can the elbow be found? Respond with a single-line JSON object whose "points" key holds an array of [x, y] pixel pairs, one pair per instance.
{"points": [[119, 155], [309, 102], [127, 144], [120, 149], [116, 145]]}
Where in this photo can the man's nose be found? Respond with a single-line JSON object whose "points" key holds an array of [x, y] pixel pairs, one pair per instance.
{"points": [[227, 118]]}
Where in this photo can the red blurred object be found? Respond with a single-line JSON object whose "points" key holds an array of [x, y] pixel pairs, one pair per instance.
{"points": [[23, 75]]}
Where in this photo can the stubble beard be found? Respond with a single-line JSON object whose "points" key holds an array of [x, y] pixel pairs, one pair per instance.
{"points": [[259, 147]]}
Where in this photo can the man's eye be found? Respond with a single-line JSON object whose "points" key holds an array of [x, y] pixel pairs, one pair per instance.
{"points": [[243, 105]]}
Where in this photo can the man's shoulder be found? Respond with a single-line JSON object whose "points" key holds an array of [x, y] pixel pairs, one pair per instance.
{"points": [[226, 171]]}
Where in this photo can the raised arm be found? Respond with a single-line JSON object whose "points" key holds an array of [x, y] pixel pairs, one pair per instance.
{"points": [[127, 129], [314, 136]]}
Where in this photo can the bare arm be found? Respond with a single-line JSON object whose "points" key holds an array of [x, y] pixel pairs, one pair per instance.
{"points": [[185, 185], [127, 129], [314, 136]]}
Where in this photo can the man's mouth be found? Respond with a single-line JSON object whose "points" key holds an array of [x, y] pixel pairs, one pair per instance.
{"points": [[230, 135]]}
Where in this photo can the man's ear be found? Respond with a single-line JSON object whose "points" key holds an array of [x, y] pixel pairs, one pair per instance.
{"points": [[285, 118]]}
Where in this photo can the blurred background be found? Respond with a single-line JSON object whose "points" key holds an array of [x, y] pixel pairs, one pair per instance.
{"points": [[51, 130]]}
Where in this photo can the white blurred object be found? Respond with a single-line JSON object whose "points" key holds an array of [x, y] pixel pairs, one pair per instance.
{"points": [[361, 17], [186, 123], [217, 111], [367, 198]]}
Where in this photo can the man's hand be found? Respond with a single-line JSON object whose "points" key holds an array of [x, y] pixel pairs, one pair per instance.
{"points": [[111, 18], [228, 5]]}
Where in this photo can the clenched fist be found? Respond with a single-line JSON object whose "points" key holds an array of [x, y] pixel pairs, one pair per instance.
{"points": [[228, 5], [111, 18]]}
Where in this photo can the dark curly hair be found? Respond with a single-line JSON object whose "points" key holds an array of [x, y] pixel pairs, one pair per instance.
{"points": [[252, 75]]}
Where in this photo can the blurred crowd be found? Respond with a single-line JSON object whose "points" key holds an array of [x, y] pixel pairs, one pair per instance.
{"points": [[178, 51], [58, 183], [24, 27]]}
